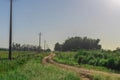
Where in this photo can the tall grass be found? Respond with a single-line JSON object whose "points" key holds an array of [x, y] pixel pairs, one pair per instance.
{"points": [[66, 57], [21, 58], [29, 67], [70, 58], [15, 54], [104, 77]]}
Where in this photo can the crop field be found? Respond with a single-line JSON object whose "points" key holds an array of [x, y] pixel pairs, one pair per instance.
{"points": [[15, 54], [98, 60], [28, 66], [59, 40]]}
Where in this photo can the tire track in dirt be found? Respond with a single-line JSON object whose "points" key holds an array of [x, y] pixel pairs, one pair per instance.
{"points": [[84, 74]]}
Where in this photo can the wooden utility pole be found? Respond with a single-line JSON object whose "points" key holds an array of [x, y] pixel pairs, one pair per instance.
{"points": [[10, 33], [39, 41], [44, 45]]}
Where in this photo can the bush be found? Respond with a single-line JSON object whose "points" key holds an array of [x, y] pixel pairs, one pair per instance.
{"points": [[102, 62], [111, 63], [81, 59], [107, 59]]}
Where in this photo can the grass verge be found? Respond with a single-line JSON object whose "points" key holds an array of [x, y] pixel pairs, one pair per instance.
{"points": [[68, 58], [30, 68]]}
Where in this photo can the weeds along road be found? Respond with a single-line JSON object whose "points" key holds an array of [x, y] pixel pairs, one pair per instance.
{"points": [[84, 74]]}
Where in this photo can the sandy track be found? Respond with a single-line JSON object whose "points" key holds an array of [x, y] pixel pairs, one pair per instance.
{"points": [[84, 74]]}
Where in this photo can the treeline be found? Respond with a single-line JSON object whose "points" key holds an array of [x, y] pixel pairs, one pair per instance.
{"points": [[109, 59], [25, 47], [76, 43], [3, 49]]}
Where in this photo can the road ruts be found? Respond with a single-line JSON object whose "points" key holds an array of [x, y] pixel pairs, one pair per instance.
{"points": [[84, 74]]}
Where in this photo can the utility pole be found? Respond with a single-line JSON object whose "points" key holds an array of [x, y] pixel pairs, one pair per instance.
{"points": [[40, 40], [10, 33], [44, 45]]}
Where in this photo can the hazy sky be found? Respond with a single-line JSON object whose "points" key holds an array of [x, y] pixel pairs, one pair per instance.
{"points": [[60, 19]]}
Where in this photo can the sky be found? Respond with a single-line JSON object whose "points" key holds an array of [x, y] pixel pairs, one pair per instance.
{"points": [[59, 19]]}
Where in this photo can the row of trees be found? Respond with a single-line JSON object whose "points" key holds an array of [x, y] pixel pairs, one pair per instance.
{"points": [[25, 47], [76, 43], [3, 49]]}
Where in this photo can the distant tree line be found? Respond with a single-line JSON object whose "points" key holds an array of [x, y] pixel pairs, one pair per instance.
{"points": [[76, 43], [3, 49], [117, 49], [25, 47]]}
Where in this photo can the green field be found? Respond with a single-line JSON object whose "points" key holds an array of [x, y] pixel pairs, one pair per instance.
{"points": [[27, 66], [106, 61]]}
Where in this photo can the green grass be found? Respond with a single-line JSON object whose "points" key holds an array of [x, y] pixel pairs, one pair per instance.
{"points": [[104, 77], [29, 67], [69, 58], [66, 57], [99, 68], [4, 54], [21, 58]]}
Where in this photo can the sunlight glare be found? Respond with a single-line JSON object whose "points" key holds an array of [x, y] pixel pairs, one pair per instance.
{"points": [[115, 2], [113, 5]]}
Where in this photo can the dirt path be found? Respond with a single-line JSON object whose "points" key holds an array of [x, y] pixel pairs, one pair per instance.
{"points": [[83, 73]]}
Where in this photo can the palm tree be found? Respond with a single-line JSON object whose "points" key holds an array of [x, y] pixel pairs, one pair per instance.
{"points": [[10, 33]]}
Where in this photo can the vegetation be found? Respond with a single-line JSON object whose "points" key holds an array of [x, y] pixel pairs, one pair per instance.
{"points": [[27, 47], [88, 59], [99, 58], [107, 59], [76, 43], [15, 54], [27, 66], [90, 53], [20, 58], [66, 57], [104, 77]]}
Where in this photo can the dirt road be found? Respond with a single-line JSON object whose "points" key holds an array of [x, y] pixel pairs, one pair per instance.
{"points": [[82, 72]]}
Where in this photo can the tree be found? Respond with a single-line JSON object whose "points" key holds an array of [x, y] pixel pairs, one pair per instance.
{"points": [[58, 47], [25, 47], [76, 43], [117, 49], [48, 50]]}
